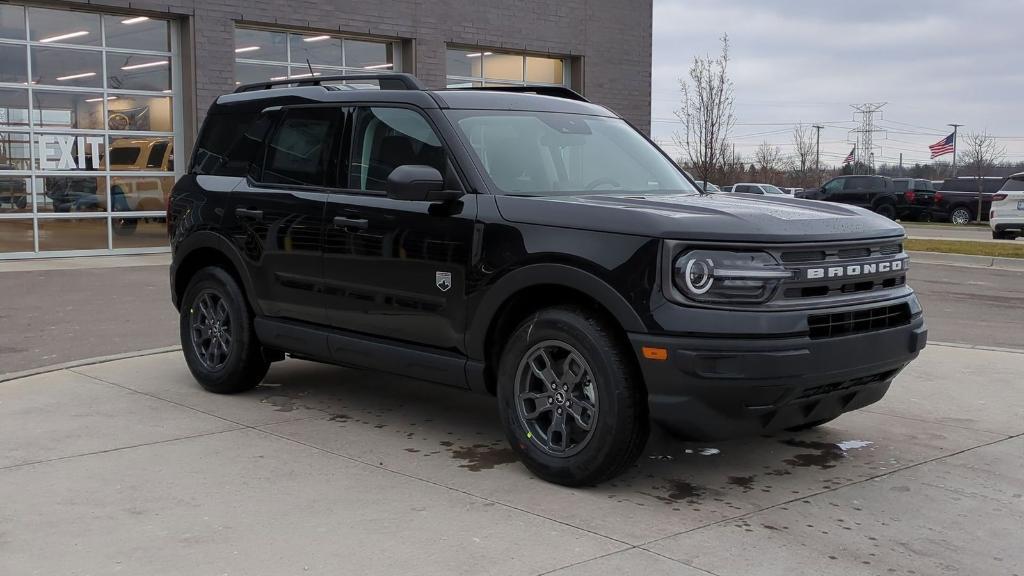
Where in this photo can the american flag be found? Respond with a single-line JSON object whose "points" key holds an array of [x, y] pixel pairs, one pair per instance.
{"points": [[944, 146], [849, 157]]}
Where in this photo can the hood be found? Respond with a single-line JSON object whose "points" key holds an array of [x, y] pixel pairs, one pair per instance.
{"points": [[715, 217]]}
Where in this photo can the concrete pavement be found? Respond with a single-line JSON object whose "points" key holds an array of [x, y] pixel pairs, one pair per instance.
{"points": [[129, 467]]}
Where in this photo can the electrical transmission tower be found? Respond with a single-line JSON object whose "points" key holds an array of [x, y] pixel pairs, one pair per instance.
{"points": [[864, 139]]}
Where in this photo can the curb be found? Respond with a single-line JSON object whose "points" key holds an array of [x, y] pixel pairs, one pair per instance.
{"points": [[966, 260], [86, 362]]}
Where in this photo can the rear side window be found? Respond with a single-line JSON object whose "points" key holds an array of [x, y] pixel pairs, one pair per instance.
{"points": [[125, 156], [1013, 185], [298, 152], [156, 154], [862, 183], [221, 148]]}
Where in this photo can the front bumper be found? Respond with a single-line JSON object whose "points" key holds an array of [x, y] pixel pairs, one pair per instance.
{"points": [[717, 388]]}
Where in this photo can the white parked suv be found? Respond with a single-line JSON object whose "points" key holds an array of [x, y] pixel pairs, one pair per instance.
{"points": [[754, 188], [1007, 214]]}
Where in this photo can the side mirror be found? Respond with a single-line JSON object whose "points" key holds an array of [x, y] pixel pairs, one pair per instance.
{"points": [[418, 183]]}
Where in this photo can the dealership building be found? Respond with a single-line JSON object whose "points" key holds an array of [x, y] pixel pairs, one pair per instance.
{"points": [[100, 102]]}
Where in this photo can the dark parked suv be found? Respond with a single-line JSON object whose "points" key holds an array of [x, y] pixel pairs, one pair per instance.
{"points": [[525, 243], [957, 200], [914, 197], [876, 193]]}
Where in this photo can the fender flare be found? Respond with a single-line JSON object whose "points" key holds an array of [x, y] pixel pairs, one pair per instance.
{"points": [[546, 274], [206, 239]]}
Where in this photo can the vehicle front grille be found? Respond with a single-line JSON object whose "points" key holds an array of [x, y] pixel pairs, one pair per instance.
{"points": [[837, 324], [851, 261]]}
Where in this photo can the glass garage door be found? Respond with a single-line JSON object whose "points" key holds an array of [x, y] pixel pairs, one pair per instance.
{"points": [[88, 125]]}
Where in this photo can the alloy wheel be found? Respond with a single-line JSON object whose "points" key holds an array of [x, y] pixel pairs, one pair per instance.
{"points": [[960, 216], [556, 398], [210, 324]]}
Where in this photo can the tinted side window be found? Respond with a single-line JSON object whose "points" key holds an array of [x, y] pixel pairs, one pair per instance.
{"points": [[900, 185], [384, 139], [221, 134], [857, 183], [298, 152], [835, 185], [1013, 185], [156, 154]]}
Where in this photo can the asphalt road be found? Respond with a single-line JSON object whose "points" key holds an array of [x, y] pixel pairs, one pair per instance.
{"points": [[54, 316], [978, 306]]}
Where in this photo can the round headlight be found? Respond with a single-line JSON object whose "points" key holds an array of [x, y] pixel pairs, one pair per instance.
{"points": [[699, 275], [722, 276]]}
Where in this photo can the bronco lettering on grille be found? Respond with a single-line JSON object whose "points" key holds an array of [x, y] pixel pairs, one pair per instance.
{"points": [[854, 270]]}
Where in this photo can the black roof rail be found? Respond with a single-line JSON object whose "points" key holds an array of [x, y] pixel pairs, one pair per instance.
{"points": [[387, 81], [556, 91]]}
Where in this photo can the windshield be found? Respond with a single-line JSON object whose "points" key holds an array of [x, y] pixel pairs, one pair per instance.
{"points": [[556, 154], [769, 189], [1013, 184]]}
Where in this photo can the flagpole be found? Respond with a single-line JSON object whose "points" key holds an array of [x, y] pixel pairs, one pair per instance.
{"points": [[955, 126]]}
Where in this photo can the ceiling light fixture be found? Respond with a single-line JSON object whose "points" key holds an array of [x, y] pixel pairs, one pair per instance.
{"points": [[135, 20], [478, 54], [246, 49], [65, 36], [76, 76], [145, 65], [315, 38], [100, 99], [377, 66]]}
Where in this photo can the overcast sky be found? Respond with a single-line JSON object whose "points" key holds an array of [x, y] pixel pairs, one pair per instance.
{"points": [[933, 62]]}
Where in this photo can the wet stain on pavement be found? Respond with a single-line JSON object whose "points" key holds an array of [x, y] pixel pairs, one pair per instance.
{"points": [[826, 456], [340, 418], [281, 403], [683, 490], [744, 482], [482, 457]]}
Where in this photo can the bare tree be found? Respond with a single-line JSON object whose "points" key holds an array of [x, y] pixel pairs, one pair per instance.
{"points": [[803, 153], [980, 153], [706, 112], [770, 162]]}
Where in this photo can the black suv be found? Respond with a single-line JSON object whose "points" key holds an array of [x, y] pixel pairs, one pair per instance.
{"points": [[876, 193], [957, 199], [914, 198], [526, 243]]}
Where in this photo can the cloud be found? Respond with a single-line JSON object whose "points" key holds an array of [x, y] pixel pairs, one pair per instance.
{"points": [[933, 62]]}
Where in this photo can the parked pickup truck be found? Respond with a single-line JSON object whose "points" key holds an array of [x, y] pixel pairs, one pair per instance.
{"points": [[957, 200]]}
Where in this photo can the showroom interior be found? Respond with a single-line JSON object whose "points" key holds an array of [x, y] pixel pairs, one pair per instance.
{"points": [[99, 106]]}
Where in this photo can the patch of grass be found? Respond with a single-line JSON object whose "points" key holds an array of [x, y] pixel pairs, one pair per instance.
{"points": [[994, 249]]}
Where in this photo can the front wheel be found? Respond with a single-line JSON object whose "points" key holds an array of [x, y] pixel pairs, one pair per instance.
{"points": [[571, 401], [217, 337], [961, 216]]}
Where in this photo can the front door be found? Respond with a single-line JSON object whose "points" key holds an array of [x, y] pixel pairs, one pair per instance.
{"points": [[276, 215], [392, 268]]}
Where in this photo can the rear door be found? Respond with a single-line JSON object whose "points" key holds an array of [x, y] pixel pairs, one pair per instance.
{"points": [[396, 269], [275, 216], [856, 190]]}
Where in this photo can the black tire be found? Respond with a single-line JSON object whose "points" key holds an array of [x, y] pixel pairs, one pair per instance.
{"points": [[961, 215], [243, 364], [998, 236], [810, 425], [608, 380], [886, 209]]}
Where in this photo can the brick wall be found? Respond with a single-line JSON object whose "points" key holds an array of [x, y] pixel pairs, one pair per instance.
{"points": [[613, 37]]}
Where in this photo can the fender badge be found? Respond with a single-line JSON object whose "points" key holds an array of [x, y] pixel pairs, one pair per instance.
{"points": [[443, 280]]}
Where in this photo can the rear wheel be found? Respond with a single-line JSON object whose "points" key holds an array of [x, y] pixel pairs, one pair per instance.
{"points": [[217, 337], [572, 403], [961, 215], [886, 209]]}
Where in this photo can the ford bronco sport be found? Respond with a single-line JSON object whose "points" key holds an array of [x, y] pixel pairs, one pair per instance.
{"points": [[526, 243]]}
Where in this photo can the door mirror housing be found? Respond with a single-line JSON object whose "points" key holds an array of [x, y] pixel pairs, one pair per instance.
{"points": [[419, 183]]}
